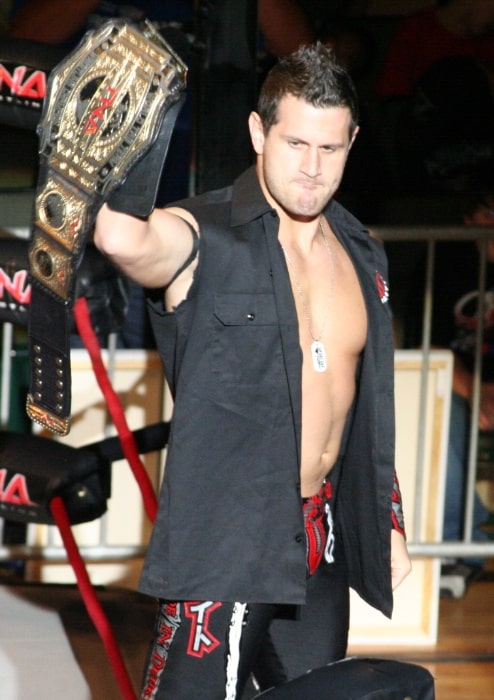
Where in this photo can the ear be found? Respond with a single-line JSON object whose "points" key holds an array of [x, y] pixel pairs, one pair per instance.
{"points": [[256, 133], [354, 136]]}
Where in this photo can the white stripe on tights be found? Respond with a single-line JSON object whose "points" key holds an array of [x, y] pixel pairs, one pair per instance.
{"points": [[233, 655]]}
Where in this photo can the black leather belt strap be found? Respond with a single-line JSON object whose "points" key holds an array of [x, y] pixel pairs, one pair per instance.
{"points": [[106, 104]]}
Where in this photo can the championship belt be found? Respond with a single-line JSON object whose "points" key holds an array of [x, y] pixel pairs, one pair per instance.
{"points": [[107, 104]]}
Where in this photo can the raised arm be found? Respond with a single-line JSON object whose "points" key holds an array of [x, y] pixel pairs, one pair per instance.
{"points": [[149, 251]]}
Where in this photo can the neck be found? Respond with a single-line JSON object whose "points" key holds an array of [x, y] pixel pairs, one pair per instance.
{"points": [[300, 235]]}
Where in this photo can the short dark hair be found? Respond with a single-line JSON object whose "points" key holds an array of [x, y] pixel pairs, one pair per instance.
{"points": [[312, 73]]}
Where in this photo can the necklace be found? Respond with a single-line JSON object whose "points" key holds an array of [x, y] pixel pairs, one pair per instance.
{"points": [[317, 349]]}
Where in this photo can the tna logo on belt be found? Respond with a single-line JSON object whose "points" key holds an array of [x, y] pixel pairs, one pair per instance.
{"points": [[22, 82], [97, 116]]}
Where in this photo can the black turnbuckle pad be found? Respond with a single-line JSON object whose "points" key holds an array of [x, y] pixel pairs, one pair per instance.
{"points": [[105, 107]]}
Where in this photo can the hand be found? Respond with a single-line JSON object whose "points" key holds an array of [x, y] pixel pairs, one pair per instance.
{"points": [[401, 564]]}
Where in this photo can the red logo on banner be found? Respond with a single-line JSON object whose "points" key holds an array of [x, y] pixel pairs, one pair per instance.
{"points": [[16, 288], [22, 83], [15, 491]]}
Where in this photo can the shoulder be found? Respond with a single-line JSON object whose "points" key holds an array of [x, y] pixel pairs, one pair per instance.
{"points": [[204, 207], [205, 199]]}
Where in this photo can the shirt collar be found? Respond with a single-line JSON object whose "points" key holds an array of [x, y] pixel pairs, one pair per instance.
{"points": [[248, 200], [249, 203]]}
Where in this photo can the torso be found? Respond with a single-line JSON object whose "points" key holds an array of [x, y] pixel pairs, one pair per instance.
{"points": [[336, 308]]}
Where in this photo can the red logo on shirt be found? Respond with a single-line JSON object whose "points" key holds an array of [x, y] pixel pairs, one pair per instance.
{"points": [[382, 288]]}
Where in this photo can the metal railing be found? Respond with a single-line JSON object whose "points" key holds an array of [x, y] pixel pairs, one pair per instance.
{"points": [[467, 546]]}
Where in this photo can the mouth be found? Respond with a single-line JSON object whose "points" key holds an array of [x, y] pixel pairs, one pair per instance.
{"points": [[308, 184]]}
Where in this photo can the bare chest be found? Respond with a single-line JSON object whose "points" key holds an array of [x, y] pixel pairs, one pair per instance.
{"points": [[332, 323], [330, 308]]}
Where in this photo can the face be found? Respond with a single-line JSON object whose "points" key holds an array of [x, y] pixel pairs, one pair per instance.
{"points": [[300, 160]]}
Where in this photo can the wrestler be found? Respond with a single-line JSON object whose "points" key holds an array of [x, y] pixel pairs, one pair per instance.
{"points": [[277, 343]]}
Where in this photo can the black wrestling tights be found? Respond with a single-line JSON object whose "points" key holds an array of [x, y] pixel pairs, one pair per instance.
{"points": [[204, 650]]}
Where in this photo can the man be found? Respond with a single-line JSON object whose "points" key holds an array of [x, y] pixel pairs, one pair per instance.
{"points": [[271, 315]]}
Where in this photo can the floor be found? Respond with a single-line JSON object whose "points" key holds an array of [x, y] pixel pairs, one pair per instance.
{"points": [[462, 662]]}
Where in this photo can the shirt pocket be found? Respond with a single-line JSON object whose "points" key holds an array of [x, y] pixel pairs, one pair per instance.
{"points": [[247, 360]]}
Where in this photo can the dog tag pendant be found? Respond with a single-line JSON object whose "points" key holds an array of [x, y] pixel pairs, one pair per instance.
{"points": [[318, 356]]}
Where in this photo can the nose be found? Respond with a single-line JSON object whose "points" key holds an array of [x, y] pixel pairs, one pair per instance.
{"points": [[311, 162]]}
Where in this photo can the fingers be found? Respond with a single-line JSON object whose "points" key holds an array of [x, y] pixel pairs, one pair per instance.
{"points": [[401, 564]]}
